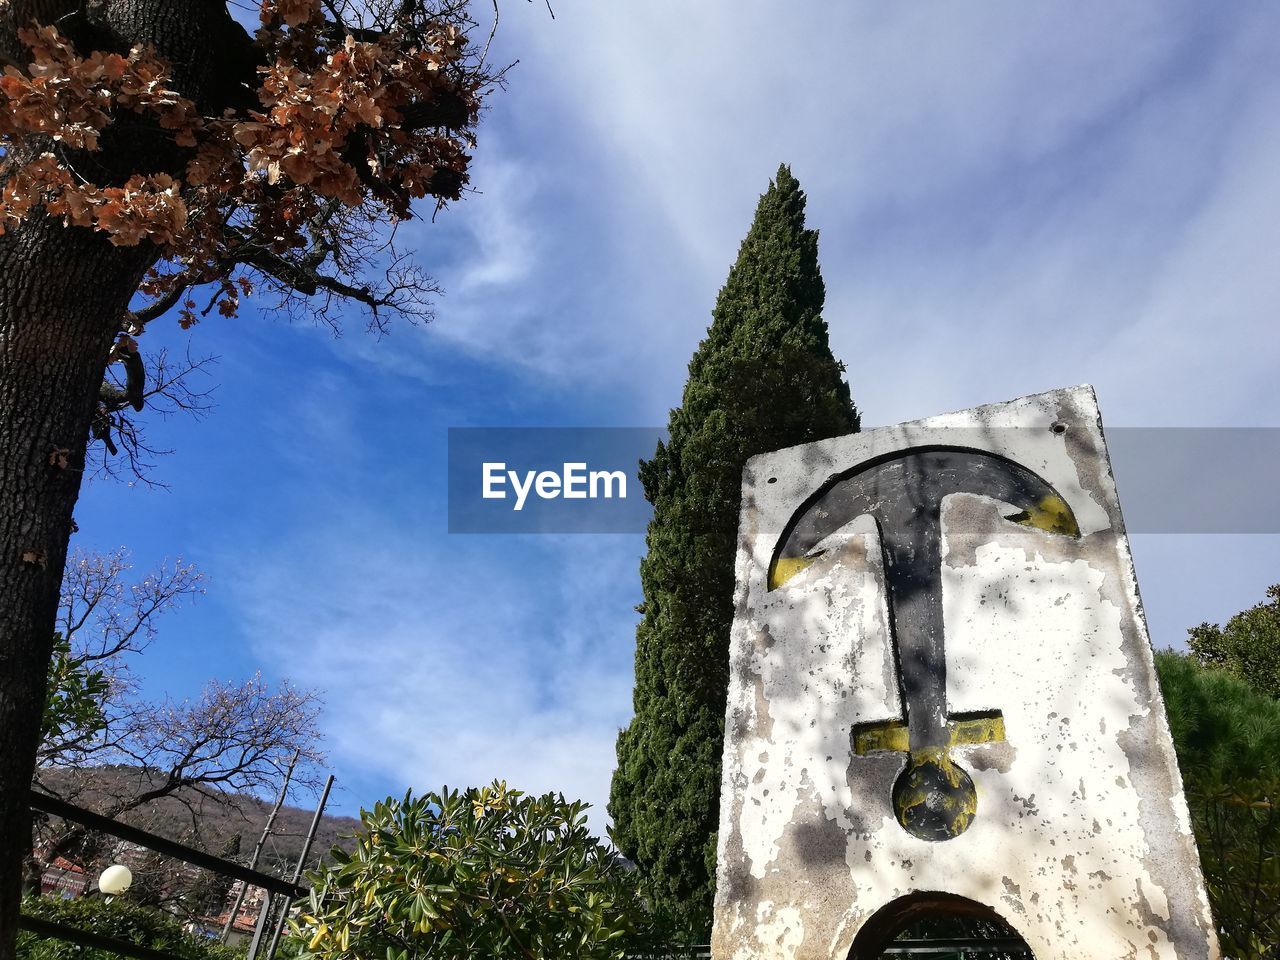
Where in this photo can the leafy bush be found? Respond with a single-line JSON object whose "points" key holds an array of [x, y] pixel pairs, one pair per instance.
{"points": [[116, 918], [1227, 737], [484, 872], [1248, 646]]}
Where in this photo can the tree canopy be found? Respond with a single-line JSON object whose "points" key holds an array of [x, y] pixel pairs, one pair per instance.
{"points": [[762, 379], [331, 118], [1248, 646]]}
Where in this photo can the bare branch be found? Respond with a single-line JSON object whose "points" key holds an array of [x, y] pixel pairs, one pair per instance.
{"points": [[104, 617], [232, 743], [171, 389]]}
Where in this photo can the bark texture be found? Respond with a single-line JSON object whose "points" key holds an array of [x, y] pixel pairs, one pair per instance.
{"points": [[63, 293], [61, 297]]}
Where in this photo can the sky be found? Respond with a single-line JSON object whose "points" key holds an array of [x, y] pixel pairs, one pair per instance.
{"points": [[1011, 198]]}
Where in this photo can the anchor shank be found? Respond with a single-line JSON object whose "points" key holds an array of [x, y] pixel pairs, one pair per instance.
{"points": [[912, 565]]}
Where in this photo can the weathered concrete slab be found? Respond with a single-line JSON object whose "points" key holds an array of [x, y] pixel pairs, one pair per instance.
{"points": [[966, 719]]}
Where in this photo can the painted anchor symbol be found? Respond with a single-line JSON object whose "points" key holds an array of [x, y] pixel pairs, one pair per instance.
{"points": [[933, 797]]}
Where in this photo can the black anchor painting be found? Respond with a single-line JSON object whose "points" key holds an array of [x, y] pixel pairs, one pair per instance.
{"points": [[933, 797]]}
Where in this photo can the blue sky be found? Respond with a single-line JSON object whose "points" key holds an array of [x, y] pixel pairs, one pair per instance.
{"points": [[1011, 198]]}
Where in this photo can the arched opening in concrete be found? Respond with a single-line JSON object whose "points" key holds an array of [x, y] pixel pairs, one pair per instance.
{"points": [[937, 926]]}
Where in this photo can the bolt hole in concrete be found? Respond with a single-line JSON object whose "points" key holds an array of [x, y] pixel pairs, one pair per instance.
{"points": [[773, 479], [1058, 427], [938, 926]]}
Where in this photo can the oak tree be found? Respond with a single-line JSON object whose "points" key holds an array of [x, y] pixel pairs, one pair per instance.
{"points": [[159, 157]]}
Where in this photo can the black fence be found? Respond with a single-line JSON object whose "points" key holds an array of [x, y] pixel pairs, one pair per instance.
{"points": [[274, 886]]}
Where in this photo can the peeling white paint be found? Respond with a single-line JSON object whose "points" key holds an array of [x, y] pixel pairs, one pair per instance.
{"points": [[780, 927], [1081, 839]]}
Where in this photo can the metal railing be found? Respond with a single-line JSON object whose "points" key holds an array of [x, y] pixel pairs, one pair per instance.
{"points": [[274, 886], [966, 948]]}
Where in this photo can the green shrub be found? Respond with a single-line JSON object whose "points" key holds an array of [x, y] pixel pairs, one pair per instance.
{"points": [[1248, 646], [116, 918], [486, 873]]}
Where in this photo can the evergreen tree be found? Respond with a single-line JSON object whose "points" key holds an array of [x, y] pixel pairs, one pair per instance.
{"points": [[1227, 737], [764, 378]]}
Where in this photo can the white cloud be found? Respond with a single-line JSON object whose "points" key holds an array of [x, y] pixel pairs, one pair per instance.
{"points": [[977, 174], [440, 666], [1137, 262], [696, 104], [1011, 198]]}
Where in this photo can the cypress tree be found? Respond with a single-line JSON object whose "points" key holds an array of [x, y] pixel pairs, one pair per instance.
{"points": [[1227, 736], [763, 378]]}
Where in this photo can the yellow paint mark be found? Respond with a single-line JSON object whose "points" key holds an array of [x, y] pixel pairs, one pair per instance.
{"points": [[937, 756], [784, 568], [1053, 514], [892, 736], [875, 737], [976, 730]]}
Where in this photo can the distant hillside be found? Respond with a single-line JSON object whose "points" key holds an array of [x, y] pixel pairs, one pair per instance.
{"points": [[231, 822]]}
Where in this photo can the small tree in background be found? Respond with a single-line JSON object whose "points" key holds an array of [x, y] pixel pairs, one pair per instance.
{"points": [[1248, 646], [764, 378], [486, 872], [1227, 737], [168, 767]]}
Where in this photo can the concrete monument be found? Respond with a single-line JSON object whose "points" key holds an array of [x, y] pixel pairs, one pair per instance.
{"points": [[942, 699]]}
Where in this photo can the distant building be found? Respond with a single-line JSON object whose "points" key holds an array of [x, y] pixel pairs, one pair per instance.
{"points": [[64, 879], [246, 918]]}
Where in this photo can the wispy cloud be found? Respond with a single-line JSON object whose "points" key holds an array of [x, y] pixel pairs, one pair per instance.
{"points": [[978, 176], [1011, 198], [441, 666]]}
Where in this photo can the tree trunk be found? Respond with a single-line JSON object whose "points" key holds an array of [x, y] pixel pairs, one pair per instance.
{"points": [[63, 293]]}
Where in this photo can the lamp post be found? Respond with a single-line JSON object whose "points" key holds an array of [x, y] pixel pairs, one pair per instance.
{"points": [[115, 880]]}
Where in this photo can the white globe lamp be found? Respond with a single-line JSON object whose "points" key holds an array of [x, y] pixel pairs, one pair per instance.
{"points": [[115, 880]]}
